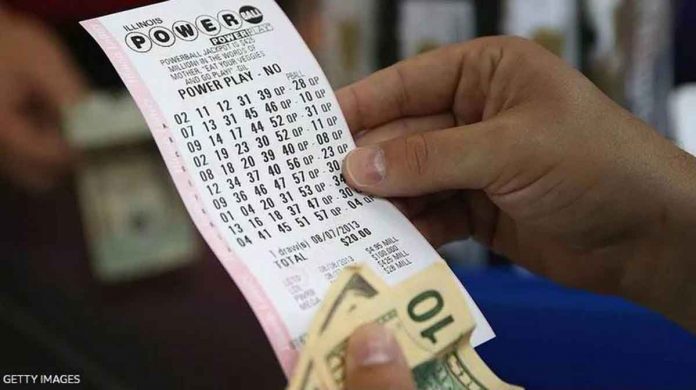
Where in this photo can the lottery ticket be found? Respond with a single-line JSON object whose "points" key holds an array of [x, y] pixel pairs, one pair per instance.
{"points": [[254, 138]]}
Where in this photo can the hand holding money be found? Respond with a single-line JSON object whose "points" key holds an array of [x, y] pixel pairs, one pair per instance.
{"points": [[425, 317]]}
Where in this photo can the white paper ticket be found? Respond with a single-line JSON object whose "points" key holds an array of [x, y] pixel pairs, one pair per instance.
{"points": [[254, 139]]}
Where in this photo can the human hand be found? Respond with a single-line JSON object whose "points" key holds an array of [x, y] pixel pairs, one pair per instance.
{"points": [[37, 80], [499, 140], [374, 361]]}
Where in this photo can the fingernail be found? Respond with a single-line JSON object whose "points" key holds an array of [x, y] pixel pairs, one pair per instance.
{"points": [[366, 166], [374, 345]]}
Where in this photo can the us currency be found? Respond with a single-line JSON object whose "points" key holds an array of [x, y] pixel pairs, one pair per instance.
{"points": [[431, 322], [461, 368], [353, 287], [458, 369]]}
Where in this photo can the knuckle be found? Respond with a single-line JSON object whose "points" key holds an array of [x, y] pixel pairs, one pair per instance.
{"points": [[510, 46], [417, 154], [513, 40], [506, 42], [520, 47]]}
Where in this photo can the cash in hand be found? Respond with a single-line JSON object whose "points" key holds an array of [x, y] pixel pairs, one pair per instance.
{"points": [[428, 316]]}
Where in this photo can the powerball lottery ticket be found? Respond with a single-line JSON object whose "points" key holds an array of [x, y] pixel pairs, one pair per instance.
{"points": [[254, 139]]}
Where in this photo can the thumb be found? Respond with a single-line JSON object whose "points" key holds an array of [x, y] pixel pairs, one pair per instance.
{"points": [[374, 361], [464, 157]]}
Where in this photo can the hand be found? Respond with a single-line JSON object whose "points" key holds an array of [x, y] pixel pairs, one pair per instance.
{"points": [[374, 361], [36, 81], [499, 140]]}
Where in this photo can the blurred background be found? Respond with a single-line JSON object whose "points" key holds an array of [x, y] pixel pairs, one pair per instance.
{"points": [[103, 275]]}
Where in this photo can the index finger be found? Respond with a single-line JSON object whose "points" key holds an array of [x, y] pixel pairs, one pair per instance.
{"points": [[423, 85]]}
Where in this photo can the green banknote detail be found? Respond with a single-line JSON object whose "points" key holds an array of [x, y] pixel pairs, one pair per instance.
{"points": [[446, 372]]}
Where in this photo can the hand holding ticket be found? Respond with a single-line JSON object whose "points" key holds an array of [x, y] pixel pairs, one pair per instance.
{"points": [[254, 138]]}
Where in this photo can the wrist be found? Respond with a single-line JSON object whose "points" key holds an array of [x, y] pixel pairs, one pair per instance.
{"points": [[662, 273]]}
